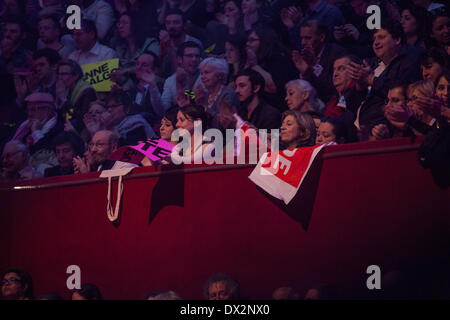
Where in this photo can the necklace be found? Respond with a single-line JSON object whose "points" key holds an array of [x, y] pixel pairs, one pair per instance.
{"points": [[212, 99]]}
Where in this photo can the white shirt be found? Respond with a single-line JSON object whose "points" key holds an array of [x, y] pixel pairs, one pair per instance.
{"points": [[103, 15], [97, 53], [169, 95]]}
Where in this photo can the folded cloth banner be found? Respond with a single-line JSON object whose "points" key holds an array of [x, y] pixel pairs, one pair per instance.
{"points": [[127, 154], [98, 74], [155, 149], [113, 214], [281, 173]]}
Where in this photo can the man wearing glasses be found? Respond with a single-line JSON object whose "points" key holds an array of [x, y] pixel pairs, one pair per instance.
{"points": [[102, 145], [15, 163], [39, 129]]}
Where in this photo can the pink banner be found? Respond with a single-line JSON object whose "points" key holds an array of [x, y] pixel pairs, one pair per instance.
{"points": [[155, 149]]}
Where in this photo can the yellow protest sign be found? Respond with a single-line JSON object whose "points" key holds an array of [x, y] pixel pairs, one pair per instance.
{"points": [[97, 74]]}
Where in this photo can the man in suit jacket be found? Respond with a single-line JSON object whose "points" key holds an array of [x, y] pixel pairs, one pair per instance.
{"points": [[315, 60]]}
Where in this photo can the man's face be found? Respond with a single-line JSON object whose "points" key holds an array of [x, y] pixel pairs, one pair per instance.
{"points": [[40, 111], [42, 67], [48, 32], [101, 147], [190, 60], [341, 77], [12, 286], [13, 33], [174, 25], [65, 154], [84, 40], [311, 38], [384, 46], [13, 159], [219, 291], [117, 112], [144, 63], [67, 77], [244, 90]]}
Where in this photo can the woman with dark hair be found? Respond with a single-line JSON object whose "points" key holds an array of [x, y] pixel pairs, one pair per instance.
{"points": [[443, 89], [129, 45], [16, 284], [194, 121], [297, 130], [266, 56], [438, 29], [88, 291], [233, 18], [236, 56], [433, 62], [413, 20], [331, 129]]}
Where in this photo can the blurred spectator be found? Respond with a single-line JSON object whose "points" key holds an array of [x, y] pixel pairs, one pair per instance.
{"points": [[443, 88], [438, 29], [249, 85], [145, 94], [132, 43], [92, 120], [433, 62], [67, 146], [169, 295], [50, 296], [40, 128], [331, 129], [399, 64], [320, 10], [15, 162], [186, 77], [50, 37], [14, 54], [413, 20], [102, 145], [88, 291], [236, 56], [285, 293], [214, 74], [315, 61], [322, 292], [266, 56], [98, 11], [221, 286], [132, 128], [297, 130], [171, 39], [89, 49], [427, 4], [301, 96], [73, 94], [16, 284]]}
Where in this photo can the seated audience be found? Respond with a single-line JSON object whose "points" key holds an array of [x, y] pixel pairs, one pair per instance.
{"points": [[214, 74], [413, 20], [132, 128], [67, 146], [285, 293], [15, 162], [221, 286], [301, 96], [88, 291], [16, 284], [297, 130], [249, 85], [433, 62], [50, 37], [331, 130], [89, 48]]}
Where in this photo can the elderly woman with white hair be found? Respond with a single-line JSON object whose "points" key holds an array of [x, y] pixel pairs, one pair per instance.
{"points": [[301, 96], [214, 74]]}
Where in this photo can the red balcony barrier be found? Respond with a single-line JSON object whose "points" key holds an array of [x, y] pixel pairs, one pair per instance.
{"points": [[373, 204]]}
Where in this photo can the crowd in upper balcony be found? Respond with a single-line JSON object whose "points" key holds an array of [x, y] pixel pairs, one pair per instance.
{"points": [[311, 68]]}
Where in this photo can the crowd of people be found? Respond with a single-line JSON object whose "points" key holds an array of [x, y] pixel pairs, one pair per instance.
{"points": [[310, 68], [17, 284]]}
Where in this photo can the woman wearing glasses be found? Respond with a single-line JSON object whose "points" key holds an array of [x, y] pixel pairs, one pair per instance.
{"points": [[16, 284]]}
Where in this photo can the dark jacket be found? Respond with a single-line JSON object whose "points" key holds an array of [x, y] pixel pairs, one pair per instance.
{"points": [[263, 117]]}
